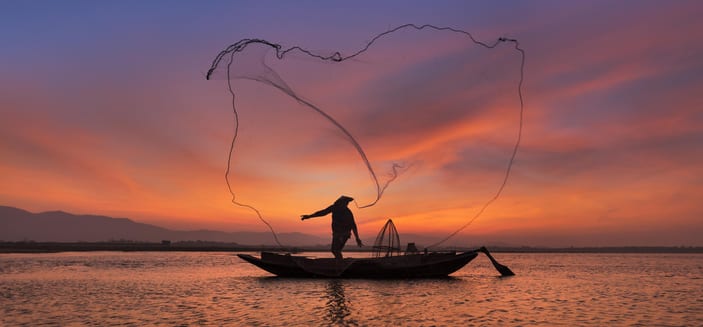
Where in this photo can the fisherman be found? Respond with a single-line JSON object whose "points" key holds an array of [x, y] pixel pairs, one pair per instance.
{"points": [[342, 224]]}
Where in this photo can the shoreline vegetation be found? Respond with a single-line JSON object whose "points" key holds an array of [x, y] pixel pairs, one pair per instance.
{"points": [[205, 246]]}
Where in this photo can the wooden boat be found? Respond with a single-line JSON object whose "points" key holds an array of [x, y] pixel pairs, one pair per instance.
{"points": [[430, 265], [388, 262]]}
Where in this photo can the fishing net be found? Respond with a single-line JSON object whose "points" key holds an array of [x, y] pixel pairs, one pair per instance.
{"points": [[387, 242], [321, 122]]}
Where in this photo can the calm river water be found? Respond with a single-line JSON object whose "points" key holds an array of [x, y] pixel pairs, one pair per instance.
{"points": [[219, 289]]}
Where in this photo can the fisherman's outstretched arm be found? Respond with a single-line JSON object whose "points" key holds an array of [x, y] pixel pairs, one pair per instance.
{"points": [[320, 213]]}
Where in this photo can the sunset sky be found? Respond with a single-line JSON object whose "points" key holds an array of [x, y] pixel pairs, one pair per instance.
{"points": [[105, 109]]}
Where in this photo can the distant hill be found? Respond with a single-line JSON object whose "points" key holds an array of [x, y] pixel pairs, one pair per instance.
{"points": [[58, 226]]}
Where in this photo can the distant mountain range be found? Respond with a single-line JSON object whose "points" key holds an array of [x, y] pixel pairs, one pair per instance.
{"points": [[58, 226], [18, 225]]}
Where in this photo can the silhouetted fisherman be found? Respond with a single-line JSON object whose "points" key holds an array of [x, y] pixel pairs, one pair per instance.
{"points": [[342, 224]]}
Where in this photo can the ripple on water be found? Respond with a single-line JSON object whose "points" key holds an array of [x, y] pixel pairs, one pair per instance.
{"points": [[173, 289]]}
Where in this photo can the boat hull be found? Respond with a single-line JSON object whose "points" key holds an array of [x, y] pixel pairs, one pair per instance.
{"points": [[430, 265]]}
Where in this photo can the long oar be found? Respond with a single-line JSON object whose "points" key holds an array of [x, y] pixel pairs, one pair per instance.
{"points": [[503, 270]]}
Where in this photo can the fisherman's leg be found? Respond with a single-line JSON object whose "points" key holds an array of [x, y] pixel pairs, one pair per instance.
{"points": [[338, 242], [338, 255], [336, 249]]}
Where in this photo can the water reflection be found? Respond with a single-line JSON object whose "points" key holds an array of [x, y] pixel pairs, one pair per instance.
{"points": [[337, 305], [195, 289]]}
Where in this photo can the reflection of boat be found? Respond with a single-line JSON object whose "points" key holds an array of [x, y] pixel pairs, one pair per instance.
{"points": [[402, 266], [338, 310]]}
